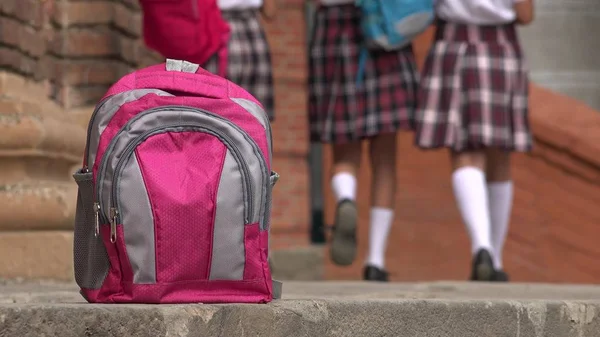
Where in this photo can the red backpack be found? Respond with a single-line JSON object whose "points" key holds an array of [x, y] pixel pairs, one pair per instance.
{"points": [[191, 30]]}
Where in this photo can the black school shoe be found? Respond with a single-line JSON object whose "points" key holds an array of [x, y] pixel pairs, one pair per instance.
{"points": [[372, 273], [343, 244], [500, 276], [483, 267]]}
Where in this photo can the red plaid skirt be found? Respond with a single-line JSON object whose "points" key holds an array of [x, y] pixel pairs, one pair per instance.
{"points": [[249, 57], [340, 110], [474, 90]]}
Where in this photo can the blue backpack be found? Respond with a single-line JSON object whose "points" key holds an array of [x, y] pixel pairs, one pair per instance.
{"points": [[391, 25]]}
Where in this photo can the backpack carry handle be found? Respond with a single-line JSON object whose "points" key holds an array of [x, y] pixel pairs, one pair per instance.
{"points": [[184, 66], [164, 77]]}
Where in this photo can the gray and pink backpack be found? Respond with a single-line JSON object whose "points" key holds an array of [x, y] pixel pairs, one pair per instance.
{"points": [[174, 196]]}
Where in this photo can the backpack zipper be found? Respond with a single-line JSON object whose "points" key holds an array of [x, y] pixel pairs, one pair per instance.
{"points": [[113, 211]]}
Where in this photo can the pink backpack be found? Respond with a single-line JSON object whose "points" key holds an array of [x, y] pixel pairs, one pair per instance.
{"points": [[174, 197]]}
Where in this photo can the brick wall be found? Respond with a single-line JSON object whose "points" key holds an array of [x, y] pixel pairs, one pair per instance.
{"points": [[288, 44], [94, 43], [79, 47]]}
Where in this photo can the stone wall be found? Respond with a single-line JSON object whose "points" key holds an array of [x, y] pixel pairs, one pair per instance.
{"points": [[39, 146], [79, 47]]}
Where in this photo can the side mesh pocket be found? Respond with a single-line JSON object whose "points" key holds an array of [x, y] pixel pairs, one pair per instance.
{"points": [[90, 259]]}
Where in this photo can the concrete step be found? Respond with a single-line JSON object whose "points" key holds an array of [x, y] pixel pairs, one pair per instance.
{"points": [[318, 309], [48, 254], [298, 263]]}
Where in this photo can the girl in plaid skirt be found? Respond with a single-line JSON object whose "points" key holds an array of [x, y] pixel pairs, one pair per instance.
{"points": [[343, 113], [474, 100], [249, 57]]}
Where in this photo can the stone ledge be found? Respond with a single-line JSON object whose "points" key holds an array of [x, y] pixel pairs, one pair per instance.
{"points": [[319, 309], [37, 255], [29, 135], [298, 263], [48, 254], [25, 89], [43, 205], [566, 123]]}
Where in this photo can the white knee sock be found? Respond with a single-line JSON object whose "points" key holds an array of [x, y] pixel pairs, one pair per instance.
{"points": [[500, 196], [471, 196], [344, 186], [381, 222]]}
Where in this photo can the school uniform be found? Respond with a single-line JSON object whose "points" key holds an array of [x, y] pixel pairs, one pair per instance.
{"points": [[249, 57], [340, 110], [474, 85]]}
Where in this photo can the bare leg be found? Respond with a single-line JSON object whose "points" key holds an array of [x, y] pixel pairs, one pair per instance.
{"points": [[383, 190], [346, 157], [346, 163], [383, 150]]}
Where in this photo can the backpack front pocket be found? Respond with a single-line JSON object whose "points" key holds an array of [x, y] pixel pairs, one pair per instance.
{"points": [[183, 189]]}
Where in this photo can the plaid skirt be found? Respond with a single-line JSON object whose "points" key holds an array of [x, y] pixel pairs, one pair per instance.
{"points": [[474, 90], [249, 57], [341, 111]]}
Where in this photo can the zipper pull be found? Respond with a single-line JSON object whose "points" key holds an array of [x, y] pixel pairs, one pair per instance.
{"points": [[97, 219], [276, 177], [113, 224]]}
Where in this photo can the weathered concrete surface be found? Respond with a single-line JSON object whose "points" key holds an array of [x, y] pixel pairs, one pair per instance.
{"points": [[298, 263], [319, 309]]}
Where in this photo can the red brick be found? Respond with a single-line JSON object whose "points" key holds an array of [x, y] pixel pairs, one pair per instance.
{"points": [[588, 147], [84, 42], [8, 6], [286, 35], [564, 159], [28, 11], [84, 72], [290, 195], [131, 50], [290, 134], [74, 97], [83, 13], [9, 58], [130, 3], [127, 19], [23, 37]]}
